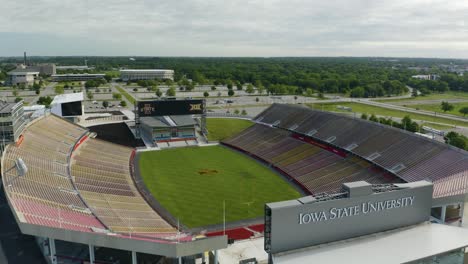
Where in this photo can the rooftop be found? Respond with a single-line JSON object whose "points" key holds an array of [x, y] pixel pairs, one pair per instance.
{"points": [[431, 239], [67, 98], [23, 71], [146, 70], [79, 74], [168, 121], [7, 107]]}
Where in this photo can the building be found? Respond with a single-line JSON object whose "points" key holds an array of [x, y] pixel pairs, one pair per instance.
{"points": [[429, 77], [363, 223], [12, 121], [74, 67], [135, 75], [168, 128], [43, 69], [21, 76], [69, 106], [76, 77]]}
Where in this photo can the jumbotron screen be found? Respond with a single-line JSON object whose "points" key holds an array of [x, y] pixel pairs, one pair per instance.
{"points": [[170, 107], [72, 109]]}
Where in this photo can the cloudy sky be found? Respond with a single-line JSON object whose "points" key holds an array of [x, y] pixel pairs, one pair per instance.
{"points": [[401, 28]]}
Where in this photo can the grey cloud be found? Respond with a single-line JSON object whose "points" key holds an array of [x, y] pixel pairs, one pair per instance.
{"points": [[247, 27]]}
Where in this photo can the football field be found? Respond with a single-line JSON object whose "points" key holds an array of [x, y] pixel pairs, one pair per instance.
{"points": [[192, 184]]}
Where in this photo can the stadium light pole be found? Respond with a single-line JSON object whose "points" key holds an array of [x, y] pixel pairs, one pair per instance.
{"points": [[224, 217]]}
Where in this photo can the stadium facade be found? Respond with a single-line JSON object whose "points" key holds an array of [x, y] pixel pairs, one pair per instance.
{"points": [[12, 122], [146, 74], [80, 189]]}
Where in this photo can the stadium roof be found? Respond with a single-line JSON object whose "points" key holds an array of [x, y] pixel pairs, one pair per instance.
{"points": [[396, 246], [68, 98]]}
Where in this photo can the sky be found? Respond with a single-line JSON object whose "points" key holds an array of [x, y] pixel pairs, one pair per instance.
{"points": [[251, 28]]}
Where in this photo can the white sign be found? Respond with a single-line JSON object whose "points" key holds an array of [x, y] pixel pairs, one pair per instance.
{"points": [[363, 208]]}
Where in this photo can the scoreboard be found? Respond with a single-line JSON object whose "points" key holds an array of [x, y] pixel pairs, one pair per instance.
{"points": [[170, 107]]}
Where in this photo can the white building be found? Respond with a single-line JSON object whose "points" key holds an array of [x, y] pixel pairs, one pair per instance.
{"points": [[68, 106], [135, 75], [429, 77], [21, 76]]}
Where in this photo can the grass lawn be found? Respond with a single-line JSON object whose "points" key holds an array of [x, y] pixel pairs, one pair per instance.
{"points": [[437, 126], [126, 94], [433, 96], [192, 183], [436, 108], [223, 128], [370, 109]]}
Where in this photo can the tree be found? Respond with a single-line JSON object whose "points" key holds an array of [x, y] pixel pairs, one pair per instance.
{"points": [[231, 92], [409, 125], [244, 113], [464, 110], [123, 103], [105, 104], [18, 99], [457, 140], [239, 86], [116, 96], [59, 90], [90, 95], [135, 89], [158, 93], [206, 94], [260, 89], [364, 116], [229, 86], [358, 92], [250, 89], [236, 111], [108, 77], [446, 106], [309, 92], [213, 88], [171, 92], [373, 118], [44, 100], [257, 99], [15, 92]]}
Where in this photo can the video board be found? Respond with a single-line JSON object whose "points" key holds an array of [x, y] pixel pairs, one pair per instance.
{"points": [[72, 109], [170, 107]]}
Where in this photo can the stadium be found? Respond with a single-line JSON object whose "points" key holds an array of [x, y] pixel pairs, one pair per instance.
{"points": [[187, 203]]}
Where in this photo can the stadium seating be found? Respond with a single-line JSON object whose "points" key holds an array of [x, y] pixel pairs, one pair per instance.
{"points": [[389, 151], [108, 189], [78, 188], [45, 194], [313, 168]]}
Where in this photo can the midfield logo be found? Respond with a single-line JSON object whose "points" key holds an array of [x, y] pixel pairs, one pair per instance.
{"points": [[195, 107]]}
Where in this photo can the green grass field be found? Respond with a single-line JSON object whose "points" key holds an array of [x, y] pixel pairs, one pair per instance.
{"points": [[192, 183], [223, 128], [433, 96], [370, 109], [436, 108], [126, 94]]}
